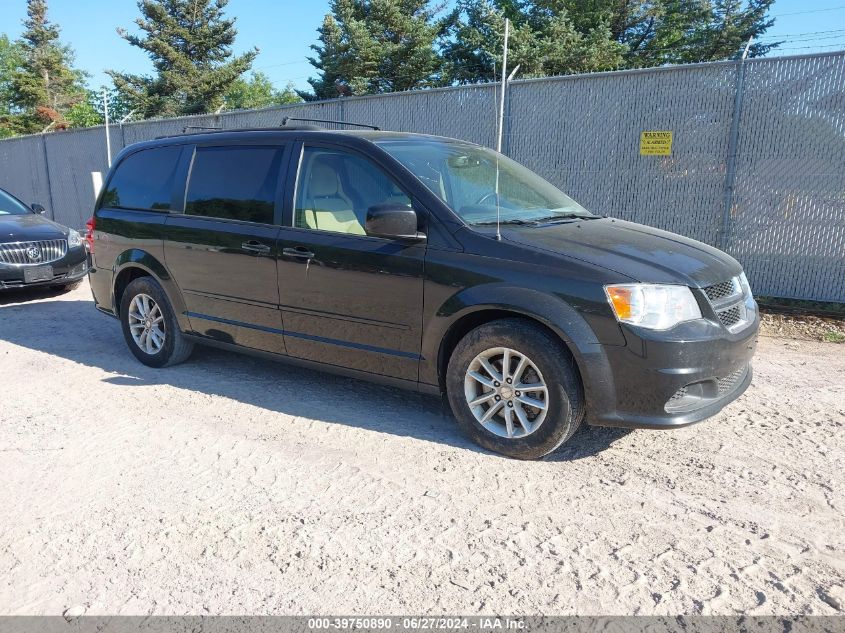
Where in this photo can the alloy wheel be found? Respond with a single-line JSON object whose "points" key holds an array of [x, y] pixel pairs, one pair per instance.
{"points": [[506, 392], [146, 324]]}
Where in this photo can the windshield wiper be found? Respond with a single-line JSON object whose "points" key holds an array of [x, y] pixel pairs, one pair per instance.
{"points": [[508, 221], [566, 216]]}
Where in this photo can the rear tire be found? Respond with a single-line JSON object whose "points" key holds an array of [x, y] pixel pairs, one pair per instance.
{"points": [[538, 410], [150, 326]]}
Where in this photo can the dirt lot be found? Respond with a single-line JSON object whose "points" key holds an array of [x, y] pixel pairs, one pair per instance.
{"points": [[235, 485]]}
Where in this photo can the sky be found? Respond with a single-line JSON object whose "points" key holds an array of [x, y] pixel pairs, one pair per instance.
{"points": [[283, 31]]}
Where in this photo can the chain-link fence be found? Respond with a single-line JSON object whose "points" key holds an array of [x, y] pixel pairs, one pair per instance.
{"points": [[757, 162]]}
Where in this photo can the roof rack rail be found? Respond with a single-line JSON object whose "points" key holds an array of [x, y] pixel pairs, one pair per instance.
{"points": [[291, 118], [200, 127]]}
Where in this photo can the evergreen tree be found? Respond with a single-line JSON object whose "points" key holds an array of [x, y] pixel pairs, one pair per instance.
{"points": [[551, 37], [658, 32], [190, 45], [43, 85], [11, 57], [374, 46], [258, 92], [542, 42]]}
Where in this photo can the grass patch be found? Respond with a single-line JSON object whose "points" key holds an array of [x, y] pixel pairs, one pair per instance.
{"points": [[834, 337]]}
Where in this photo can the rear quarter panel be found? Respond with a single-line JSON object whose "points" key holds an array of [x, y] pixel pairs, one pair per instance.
{"points": [[125, 239]]}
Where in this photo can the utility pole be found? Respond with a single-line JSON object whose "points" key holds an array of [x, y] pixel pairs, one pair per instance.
{"points": [[106, 113]]}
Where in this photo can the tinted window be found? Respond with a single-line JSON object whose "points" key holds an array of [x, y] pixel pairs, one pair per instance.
{"points": [[144, 180], [235, 183], [10, 206], [335, 189]]}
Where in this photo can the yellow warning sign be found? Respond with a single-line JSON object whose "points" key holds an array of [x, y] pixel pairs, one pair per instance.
{"points": [[656, 143]]}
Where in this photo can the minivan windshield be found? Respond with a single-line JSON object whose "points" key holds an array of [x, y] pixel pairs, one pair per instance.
{"points": [[474, 181], [11, 206]]}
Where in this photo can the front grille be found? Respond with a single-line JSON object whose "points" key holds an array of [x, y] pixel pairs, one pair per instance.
{"points": [[700, 394], [729, 382], [728, 301], [723, 290], [32, 253], [731, 316]]}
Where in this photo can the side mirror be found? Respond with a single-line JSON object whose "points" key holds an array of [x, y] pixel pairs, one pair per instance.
{"points": [[37, 208], [398, 221]]}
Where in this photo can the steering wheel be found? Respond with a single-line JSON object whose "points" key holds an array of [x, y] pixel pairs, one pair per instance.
{"points": [[481, 200]]}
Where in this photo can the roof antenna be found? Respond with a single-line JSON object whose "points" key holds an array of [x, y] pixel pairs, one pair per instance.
{"points": [[501, 124]]}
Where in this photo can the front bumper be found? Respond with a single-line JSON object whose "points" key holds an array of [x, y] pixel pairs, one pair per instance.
{"points": [[70, 268], [670, 379]]}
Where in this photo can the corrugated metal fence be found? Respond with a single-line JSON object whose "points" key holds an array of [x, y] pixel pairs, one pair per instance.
{"points": [[757, 164]]}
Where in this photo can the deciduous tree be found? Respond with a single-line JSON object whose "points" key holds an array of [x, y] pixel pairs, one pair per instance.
{"points": [[258, 92]]}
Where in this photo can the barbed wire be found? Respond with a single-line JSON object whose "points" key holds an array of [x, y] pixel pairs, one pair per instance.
{"points": [[781, 15], [780, 39]]}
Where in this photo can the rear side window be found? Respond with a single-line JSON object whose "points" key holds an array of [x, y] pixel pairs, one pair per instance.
{"points": [[234, 183], [144, 180]]}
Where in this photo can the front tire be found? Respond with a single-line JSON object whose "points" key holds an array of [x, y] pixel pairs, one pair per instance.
{"points": [[514, 389], [149, 325]]}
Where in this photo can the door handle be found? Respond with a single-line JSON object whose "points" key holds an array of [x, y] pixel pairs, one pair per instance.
{"points": [[300, 252], [256, 247]]}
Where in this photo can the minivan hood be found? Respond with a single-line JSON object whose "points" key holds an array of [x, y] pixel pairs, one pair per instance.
{"points": [[639, 252], [29, 227]]}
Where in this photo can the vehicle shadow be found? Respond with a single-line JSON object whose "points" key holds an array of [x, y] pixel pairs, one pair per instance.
{"points": [[23, 295], [272, 386]]}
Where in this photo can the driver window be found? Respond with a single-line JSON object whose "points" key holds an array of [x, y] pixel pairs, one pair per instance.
{"points": [[334, 189]]}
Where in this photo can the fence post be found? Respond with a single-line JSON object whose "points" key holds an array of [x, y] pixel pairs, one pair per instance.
{"points": [[730, 163], [506, 124], [49, 182]]}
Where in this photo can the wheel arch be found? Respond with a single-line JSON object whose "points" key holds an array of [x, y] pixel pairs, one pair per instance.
{"points": [[135, 263], [550, 314]]}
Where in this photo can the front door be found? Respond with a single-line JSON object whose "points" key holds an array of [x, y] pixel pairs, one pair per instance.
{"points": [[347, 298], [222, 251]]}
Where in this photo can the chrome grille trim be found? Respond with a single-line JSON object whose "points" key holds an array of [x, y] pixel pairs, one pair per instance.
{"points": [[16, 252]]}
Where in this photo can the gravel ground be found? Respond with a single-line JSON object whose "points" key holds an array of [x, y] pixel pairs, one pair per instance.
{"points": [[236, 485]]}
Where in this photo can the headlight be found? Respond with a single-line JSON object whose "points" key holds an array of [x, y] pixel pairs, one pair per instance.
{"points": [[745, 285], [74, 239], [657, 307]]}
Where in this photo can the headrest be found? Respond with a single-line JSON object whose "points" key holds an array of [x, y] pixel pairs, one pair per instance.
{"points": [[324, 181]]}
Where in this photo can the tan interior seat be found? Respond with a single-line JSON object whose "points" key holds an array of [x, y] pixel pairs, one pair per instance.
{"points": [[327, 208]]}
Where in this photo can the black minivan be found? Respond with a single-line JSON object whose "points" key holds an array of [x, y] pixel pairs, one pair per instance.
{"points": [[424, 262]]}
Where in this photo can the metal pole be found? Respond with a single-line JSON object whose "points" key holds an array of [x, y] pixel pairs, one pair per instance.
{"points": [[730, 163], [504, 83], [49, 181], [506, 144], [501, 124], [108, 136]]}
